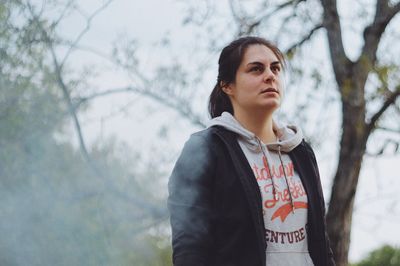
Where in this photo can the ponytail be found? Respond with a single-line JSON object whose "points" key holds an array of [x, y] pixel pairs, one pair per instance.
{"points": [[219, 102]]}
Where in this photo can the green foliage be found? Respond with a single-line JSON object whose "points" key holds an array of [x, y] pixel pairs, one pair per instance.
{"points": [[384, 256], [154, 250]]}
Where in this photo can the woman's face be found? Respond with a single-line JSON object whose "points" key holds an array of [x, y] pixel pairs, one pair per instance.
{"points": [[258, 85]]}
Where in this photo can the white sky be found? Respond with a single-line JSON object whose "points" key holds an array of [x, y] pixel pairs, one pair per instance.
{"points": [[373, 222]]}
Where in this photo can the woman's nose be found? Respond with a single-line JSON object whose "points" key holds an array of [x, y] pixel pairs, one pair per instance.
{"points": [[269, 75]]}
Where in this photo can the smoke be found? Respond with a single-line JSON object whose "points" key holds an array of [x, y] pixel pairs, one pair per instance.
{"points": [[55, 211]]}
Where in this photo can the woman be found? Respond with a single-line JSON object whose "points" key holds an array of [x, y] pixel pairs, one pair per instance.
{"points": [[246, 191]]}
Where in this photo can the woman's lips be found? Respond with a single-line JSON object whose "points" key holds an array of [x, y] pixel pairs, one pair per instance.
{"points": [[269, 90]]}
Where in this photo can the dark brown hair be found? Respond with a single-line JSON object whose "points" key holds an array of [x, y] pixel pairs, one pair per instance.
{"points": [[229, 61]]}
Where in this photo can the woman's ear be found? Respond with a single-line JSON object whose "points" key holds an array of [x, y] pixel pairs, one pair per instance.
{"points": [[227, 88]]}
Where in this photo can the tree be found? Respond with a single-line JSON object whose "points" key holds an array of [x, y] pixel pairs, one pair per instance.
{"points": [[386, 255], [351, 78]]}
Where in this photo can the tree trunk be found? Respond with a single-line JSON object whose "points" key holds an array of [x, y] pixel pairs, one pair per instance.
{"points": [[353, 145]]}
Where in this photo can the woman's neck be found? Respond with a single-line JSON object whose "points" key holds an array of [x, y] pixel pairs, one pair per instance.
{"points": [[260, 124]]}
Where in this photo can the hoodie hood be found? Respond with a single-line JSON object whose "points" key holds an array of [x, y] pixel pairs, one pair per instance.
{"points": [[289, 137]]}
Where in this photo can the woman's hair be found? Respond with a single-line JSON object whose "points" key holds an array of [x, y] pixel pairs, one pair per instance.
{"points": [[228, 64]]}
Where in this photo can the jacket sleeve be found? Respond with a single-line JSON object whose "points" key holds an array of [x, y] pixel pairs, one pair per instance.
{"points": [[330, 259], [190, 203]]}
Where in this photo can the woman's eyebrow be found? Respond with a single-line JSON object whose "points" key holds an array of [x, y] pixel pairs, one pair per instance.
{"points": [[255, 63], [261, 64]]}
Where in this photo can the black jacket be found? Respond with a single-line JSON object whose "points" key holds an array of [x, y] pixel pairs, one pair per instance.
{"points": [[216, 209]]}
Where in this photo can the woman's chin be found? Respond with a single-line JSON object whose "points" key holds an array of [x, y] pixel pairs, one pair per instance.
{"points": [[272, 104]]}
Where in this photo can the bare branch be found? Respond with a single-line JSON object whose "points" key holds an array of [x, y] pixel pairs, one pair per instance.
{"points": [[391, 130], [331, 23], [304, 39], [396, 8], [373, 33], [384, 147], [248, 25], [177, 104], [235, 15], [67, 97], [397, 108], [174, 102], [293, 3], [63, 13], [85, 99], [91, 50], [257, 21], [388, 102], [63, 87], [84, 31]]}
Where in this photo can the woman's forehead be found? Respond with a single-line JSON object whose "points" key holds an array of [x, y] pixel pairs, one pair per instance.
{"points": [[259, 53]]}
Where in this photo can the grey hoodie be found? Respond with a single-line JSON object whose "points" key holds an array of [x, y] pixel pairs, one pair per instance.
{"points": [[284, 198]]}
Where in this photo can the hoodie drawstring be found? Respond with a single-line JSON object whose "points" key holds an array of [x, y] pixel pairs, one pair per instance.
{"points": [[272, 178], [286, 179], [269, 170]]}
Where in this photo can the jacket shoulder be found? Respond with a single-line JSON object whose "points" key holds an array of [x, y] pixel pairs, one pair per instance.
{"points": [[211, 136], [304, 147], [201, 146], [307, 148], [209, 132]]}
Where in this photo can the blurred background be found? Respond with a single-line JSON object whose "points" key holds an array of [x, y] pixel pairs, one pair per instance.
{"points": [[98, 97]]}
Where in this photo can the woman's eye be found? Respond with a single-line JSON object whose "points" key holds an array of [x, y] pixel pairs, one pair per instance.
{"points": [[276, 69], [257, 69]]}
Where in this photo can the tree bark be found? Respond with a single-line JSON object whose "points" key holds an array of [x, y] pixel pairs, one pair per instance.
{"points": [[339, 216], [352, 148]]}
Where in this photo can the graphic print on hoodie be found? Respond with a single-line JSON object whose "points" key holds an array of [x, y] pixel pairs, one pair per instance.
{"points": [[284, 198]]}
